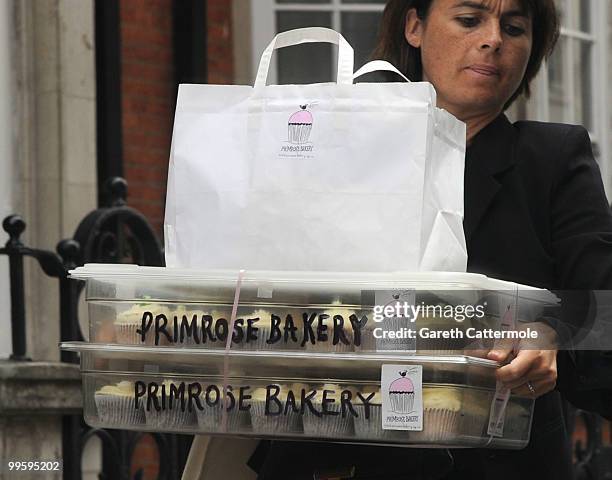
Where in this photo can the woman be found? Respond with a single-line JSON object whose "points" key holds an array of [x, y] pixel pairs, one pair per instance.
{"points": [[535, 213]]}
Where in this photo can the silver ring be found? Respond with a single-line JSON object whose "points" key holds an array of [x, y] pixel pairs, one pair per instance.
{"points": [[531, 387]]}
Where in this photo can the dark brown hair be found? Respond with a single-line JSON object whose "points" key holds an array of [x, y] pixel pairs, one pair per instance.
{"points": [[393, 46]]}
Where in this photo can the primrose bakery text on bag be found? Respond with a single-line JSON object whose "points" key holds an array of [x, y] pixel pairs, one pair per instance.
{"points": [[331, 177]]}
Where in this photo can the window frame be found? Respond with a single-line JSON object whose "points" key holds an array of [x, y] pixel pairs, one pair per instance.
{"points": [[263, 21], [598, 37]]}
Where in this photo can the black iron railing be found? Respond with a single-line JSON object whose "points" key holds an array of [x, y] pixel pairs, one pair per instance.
{"points": [[114, 233]]}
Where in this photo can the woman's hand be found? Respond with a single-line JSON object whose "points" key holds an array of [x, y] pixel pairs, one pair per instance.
{"points": [[531, 367]]}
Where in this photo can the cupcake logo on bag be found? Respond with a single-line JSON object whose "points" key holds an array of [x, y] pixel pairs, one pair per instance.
{"points": [[299, 129], [402, 402], [300, 126]]}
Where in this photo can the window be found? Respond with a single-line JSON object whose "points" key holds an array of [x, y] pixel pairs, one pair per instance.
{"points": [[357, 20], [572, 87]]}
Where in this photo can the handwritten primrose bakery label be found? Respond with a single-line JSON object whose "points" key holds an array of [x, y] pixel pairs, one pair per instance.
{"points": [[277, 400], [402, 397], [297, 328]]}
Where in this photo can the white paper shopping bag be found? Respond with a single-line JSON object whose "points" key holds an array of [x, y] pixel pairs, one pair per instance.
{"points": [[335, 176]]}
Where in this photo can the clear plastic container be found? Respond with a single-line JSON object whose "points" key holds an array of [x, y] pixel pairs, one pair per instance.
{"points": [[294, 311], [293, 395]]}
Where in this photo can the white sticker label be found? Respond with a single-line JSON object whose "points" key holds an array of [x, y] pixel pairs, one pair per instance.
{"points": [[497, 416], [265, 290], [395, 318], [506, 315], [402, 397]]}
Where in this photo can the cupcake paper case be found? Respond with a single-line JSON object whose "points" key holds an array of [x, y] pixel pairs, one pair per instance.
{"points": [[263, 332], [129, 321], [171, 417], [325, 425], [289, 422], [115, 406], [371, 428], [210, 418], [328, 346], [190, 341], [300, 126], [401, 394], [452, 413], [369, 343]]}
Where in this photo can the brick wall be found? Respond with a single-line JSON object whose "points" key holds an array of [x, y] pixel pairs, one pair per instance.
{"points": [[145, 458], [148, 99], [149, 92], [220, 48]]}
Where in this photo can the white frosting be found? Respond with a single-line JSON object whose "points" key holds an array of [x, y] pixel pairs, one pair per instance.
{"points": [[259, 394], [442, 398], [265, 318], [187, 311], [133, 316], [335, 395], [124, 389]]}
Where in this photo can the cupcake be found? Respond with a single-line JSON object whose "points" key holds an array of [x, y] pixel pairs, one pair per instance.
{"points": [[450, 413], [441, 415], [281, 419], [210, 417], [264, 327], [368, 422], [401, 394], [328, 425], [370, 342], [115, 406], [370, 428], [341, 316], [189, 336], [475, 410], [438, 317], [300, 126], [170, 416], [128, 322]]}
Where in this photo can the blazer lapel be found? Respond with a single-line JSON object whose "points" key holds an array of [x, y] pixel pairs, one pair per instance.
{"points": [[491, 153]]}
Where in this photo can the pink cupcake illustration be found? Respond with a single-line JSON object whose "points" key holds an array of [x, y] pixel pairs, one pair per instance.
{"points": [[401, 394], [300, 125]]}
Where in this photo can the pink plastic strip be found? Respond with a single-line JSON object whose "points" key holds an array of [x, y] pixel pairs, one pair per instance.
{"points": [[228, 346], [500, 401]]}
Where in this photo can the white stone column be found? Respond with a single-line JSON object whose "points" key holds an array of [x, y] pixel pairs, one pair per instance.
{"points": [[6, 167], [56, 142]]}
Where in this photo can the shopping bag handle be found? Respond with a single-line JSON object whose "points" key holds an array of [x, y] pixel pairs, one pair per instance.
{"points": [[309, 35], [376, 66]]}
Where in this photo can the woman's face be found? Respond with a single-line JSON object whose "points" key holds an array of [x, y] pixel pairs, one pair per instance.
{"points": [[475, 53]]}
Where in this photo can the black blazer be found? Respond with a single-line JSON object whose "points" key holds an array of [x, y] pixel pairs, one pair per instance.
{"points": [[535, 213]]}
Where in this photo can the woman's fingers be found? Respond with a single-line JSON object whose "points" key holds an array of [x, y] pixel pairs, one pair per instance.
{"points": [[530, 377], [536, 366], [540, 387], [502, 350], [518, 367]]}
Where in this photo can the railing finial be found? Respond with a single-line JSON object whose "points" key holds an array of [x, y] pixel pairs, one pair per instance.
{"points": [[117, 188], [70, 251], [14, 226]]}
